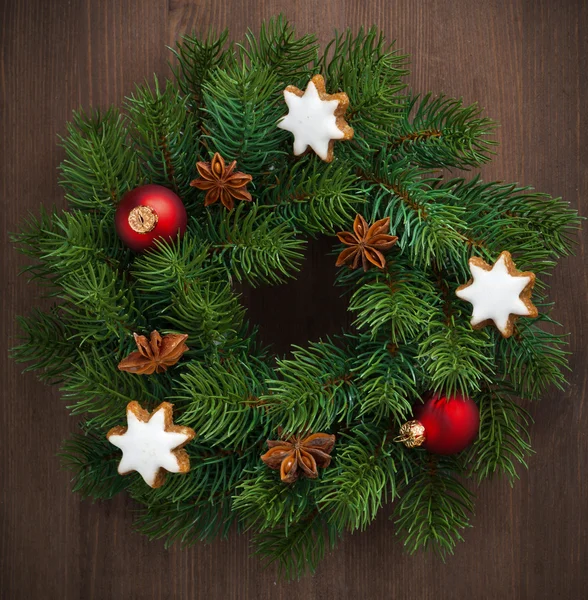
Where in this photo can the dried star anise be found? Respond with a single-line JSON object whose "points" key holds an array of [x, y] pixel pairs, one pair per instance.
{"points": [[366, 243], [154, 355], [220, 181], [299, 455]]}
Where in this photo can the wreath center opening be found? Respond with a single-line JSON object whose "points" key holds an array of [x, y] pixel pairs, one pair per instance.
{"points": [[303, 309]]}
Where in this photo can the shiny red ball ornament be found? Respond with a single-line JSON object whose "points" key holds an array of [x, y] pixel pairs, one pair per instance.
{"points": [[147, 213], [442, 424]]}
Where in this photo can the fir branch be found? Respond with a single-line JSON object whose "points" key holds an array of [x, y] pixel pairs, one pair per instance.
{"points": [[164, 135], [456, 358], [277, 46], [256, 245], [198, 58], [243, 106], [210, 313], [45, 344], [386, 379], [364, 476], [263, 502], [503, 440], [533, 359], [534, 227], [433, 507], [298, 551], [187, 522], [371, 73], [93, 463], [428, 224], [171, 266], [183, 289], [218, 400], [315, 389], [100, 164], [98, 389], [319, 199], [64, 243], [98, 306], [442, 133], [214, 474], [398, 304]]}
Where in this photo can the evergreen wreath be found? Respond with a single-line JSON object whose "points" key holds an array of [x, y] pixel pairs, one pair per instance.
{"points": [[217, 136]]}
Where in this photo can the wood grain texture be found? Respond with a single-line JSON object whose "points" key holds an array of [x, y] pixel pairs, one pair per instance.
{"points": [[526, 62]]}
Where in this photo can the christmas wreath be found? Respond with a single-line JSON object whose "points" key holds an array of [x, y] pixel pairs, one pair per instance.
{"points": [[219, 177]]}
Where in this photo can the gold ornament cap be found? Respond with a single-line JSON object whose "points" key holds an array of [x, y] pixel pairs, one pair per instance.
{"points": [[412, 434], [142, 219]]}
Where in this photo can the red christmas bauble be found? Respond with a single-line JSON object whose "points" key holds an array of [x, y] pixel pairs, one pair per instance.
{"points": [[147, 213], [443, 424]]}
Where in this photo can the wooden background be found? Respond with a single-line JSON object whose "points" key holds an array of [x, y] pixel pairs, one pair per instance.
{"points": [[526, 62]]}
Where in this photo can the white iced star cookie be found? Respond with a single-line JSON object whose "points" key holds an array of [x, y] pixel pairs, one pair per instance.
{"points": [[316, 118], [151, 443], [498, 293]]}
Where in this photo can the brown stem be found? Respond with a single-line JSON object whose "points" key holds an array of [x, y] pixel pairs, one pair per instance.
{"points": [[396, 190], [424, 134], [335, 380], [387, 438], [412, 204], [167, 157], [113, 195]]}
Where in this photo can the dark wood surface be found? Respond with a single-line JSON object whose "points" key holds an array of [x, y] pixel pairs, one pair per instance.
{"points": [[526, 62]]}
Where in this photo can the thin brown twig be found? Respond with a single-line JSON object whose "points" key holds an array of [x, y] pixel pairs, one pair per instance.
{"points": [[416, 135]]}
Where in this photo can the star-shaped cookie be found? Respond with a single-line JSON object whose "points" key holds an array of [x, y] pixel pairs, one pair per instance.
{"points": [[151, 443], [498, 293], [316, 118]]}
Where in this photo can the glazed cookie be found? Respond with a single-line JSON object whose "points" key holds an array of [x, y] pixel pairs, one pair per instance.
{"points": [[498, 293], [151, 443], [316, 118]]}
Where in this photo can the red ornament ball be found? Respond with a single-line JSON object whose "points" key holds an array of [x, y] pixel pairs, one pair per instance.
{"points": [[147, 213], [443, 424]]}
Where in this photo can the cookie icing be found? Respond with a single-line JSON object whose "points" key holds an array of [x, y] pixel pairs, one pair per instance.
{"points": [[495, 293], [148, 445], [312, 120]]}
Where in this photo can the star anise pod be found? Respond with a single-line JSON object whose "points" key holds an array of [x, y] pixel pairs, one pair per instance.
{"points": [[154, 355], [299, 455], [220, 181], [366, 243]]}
